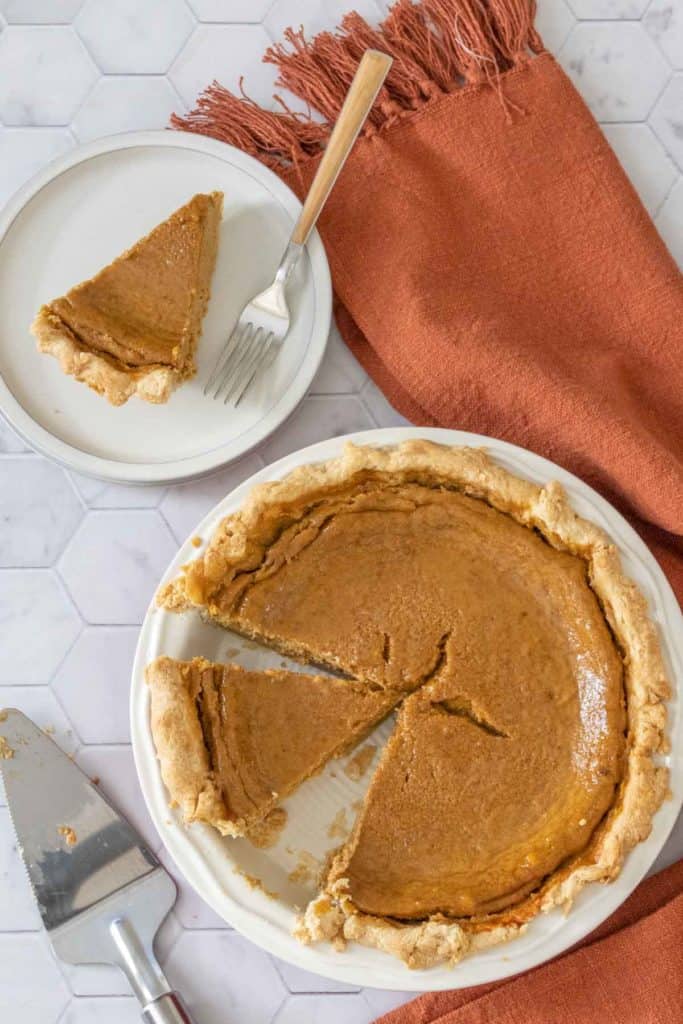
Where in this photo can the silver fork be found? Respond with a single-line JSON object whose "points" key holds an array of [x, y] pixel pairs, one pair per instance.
{"points": [[264, 322]]}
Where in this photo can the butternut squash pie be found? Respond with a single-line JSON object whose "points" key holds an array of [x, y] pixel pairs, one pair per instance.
{"points": [[528, 676], [134, 327]]}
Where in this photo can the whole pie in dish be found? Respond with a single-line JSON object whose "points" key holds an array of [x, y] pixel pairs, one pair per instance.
{"points": [[134, 327], [527, 673]]}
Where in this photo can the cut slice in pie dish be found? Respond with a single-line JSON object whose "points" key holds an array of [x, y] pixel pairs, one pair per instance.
{"points": [[464, 822], [464, 819], [524, 763], [134, 327], [232, 743]]}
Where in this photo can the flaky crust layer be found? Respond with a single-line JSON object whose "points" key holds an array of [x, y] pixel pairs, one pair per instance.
{"points": [[181, 748], [333, 916], [154, 384]]}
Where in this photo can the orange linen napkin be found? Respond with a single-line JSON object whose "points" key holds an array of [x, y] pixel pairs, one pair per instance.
{"points": [[628, 971], [493, 267]]}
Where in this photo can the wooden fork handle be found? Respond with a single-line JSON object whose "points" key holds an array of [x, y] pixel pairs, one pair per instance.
{"points": [[367, 82]]}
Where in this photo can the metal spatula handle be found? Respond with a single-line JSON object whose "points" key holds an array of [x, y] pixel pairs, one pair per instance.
{"points": [[136, 958], [102, 893], [168, 1009]]}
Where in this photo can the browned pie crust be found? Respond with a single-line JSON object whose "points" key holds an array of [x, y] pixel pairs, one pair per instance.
{"points": [[240, 582], [134, 327]]}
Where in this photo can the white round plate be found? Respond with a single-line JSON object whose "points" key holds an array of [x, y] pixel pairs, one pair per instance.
{"points": [[212, 864], [79, 214]]}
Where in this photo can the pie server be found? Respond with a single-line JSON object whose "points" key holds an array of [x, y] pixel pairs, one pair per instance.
{"points": [[102, 894]]}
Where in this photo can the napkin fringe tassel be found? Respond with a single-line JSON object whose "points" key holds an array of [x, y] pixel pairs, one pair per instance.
{"points": [[438, 46]]}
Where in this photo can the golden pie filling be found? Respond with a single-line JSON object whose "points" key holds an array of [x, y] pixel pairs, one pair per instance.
{"points": [[134, 327], [503, 627], [233, 742], [462, 821]]}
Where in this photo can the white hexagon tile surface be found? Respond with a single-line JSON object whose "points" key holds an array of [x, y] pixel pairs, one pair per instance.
{"points": [[71, 70]]}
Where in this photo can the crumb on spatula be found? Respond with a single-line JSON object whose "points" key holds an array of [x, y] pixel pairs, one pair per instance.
{"points": [[70, 837]]}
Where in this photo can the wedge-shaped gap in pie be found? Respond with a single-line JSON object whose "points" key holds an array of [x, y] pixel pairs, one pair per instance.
{"points": [[133, 328], [232, 742]]}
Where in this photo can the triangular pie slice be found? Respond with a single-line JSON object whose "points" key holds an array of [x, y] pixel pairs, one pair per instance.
{"points": [[233, 742], [134, 327]]}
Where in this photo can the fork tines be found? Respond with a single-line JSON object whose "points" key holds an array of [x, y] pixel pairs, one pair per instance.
{"points": [[244, 355]]}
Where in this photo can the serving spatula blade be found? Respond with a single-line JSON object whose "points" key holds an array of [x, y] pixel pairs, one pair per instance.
{"points": [[76, 849], [100, 890]]}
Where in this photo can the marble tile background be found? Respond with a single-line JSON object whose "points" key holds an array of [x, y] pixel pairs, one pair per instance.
{"points": [[74, 69]]}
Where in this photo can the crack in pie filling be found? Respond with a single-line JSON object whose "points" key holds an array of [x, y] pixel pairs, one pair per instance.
{"points": [[527, 674]]}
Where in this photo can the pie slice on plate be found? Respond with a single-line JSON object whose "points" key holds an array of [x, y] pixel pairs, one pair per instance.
{"points": [[232, 743], [134, 327], [524, 763]]}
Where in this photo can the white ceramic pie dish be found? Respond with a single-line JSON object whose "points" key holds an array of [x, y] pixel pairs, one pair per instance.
{"points": [[80, 213], [216, 866]]}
